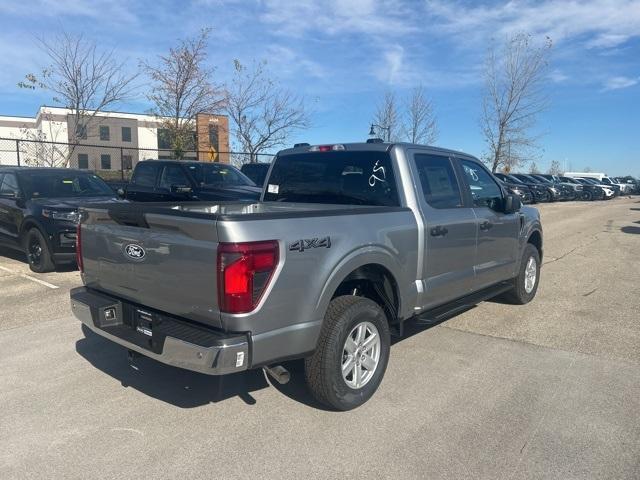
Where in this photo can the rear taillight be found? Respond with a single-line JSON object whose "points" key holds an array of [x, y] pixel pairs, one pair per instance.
{"points": [[244, 272], [79, 247]]}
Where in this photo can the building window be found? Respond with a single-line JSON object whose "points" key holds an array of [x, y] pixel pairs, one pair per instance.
{"points": [[81, 131], [105, 161], [104, 132], [83, 161], [126, 134], [127, 162], [164, 139], [213, 136]]}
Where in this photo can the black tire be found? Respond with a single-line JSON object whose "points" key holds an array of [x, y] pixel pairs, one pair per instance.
{"points": [[38, 253], [587, 196], [323, 370], [519, 295]]}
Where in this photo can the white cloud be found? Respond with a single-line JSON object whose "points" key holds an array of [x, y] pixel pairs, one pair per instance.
{"points": [[103, 11], [611, 22], [558, 77], [289, 62], [617, 83], [333, 17], [391, 71]]}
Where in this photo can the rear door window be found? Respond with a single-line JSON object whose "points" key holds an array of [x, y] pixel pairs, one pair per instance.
{"points": [[338, 177], [9, 185], [438, 180], [145, 175], [173, 175]]}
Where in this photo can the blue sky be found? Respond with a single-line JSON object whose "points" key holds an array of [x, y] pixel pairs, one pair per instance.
{"points": [[343, 55]]}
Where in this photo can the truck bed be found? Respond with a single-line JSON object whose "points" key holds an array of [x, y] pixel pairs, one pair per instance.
{"points": [[178, 274]]}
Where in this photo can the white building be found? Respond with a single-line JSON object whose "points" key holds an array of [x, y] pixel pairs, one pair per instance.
{"points": [[112, 140]]}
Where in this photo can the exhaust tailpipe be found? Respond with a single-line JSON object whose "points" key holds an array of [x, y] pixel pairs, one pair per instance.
{"points": [[278, 373]]}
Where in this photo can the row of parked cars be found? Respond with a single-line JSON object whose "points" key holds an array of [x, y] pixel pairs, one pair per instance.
{"points": [[38, 206], [538, 188]]}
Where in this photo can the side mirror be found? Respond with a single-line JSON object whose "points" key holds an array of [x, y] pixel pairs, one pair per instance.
{"points": [[512, 203], [181, 189]]}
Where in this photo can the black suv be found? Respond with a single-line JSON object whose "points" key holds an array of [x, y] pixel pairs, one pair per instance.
{"points": [[178, 181], [516, 187], [256, 172], [39, 211]]}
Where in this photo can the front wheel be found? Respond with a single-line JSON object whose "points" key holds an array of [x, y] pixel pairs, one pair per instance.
{"points": [[37, 251], [587, 196], [352, 354], [525, 285]]}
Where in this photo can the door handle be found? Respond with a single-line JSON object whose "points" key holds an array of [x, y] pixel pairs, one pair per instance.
{"points": [[439, 231], [486, 226]]}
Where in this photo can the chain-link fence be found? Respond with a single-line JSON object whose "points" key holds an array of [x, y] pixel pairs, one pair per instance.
{"points": [[110, 162]]}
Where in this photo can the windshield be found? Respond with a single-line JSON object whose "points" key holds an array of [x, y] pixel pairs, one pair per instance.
{"points": [[218, 175], [341, 177], [513, 179], [568, 180], [56, 184], [541, 179], [591, 181], [525, 178]]}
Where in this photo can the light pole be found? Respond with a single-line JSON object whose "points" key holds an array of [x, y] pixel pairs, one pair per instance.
{"points": [[372, 132]]}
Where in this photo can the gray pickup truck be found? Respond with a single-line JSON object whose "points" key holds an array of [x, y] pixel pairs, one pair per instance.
{"points": [[346, 243]]}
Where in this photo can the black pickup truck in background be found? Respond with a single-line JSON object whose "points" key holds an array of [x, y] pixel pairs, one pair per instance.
{"points": [[179, 181]]}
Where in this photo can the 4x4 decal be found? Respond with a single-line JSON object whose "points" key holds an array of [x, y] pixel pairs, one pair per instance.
{"points": [[307, 243]]}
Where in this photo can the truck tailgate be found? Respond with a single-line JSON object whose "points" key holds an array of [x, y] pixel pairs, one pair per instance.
{"points": [[158, 260]]}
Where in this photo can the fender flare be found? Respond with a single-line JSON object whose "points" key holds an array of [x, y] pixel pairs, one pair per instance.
{"points": [[369, 255]]}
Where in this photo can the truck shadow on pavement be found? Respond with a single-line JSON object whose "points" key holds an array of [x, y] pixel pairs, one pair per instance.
{"points": [[179, 387], [187, 389]]}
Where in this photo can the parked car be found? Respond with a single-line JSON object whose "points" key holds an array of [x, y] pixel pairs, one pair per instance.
{"points": [[179, 181], [257, 172], [540, 191], [595, 191], [517, 188], [561, 192], [572, 190], [39, 211], [341, 250], [614, 189]]}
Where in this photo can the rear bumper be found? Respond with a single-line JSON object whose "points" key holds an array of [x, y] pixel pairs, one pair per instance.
{"points": [[162, 337]]}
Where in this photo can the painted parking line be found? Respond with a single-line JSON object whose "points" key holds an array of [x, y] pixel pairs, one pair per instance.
{"points": [[29, 277]]}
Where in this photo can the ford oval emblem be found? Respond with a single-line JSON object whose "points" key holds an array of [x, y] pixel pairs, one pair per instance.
{"points": [[134, 252]]}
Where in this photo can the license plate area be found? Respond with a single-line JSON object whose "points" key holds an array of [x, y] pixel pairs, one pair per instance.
{"points": [[144, 323]]}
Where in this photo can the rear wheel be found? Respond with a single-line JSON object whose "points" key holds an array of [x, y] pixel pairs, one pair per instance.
{"points": [[352, 354], [587, 195], [525, 285], [38, 253]]}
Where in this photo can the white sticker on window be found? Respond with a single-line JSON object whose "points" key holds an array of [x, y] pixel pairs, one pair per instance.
{"points": [[273, 188]]}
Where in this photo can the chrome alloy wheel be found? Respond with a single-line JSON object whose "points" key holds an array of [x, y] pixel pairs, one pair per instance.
{"points": [[530, 275], [361, 355]]}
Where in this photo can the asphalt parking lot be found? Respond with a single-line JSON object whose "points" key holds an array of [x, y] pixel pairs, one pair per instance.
{"points": [[547, 390]]}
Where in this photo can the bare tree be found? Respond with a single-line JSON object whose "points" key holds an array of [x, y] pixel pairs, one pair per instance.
{"points": [[533, 168], [387, 118], [82, 79], [263, 115], [555, 168], [514, 96], [420, 122], [43, 148], [181, 88]]}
